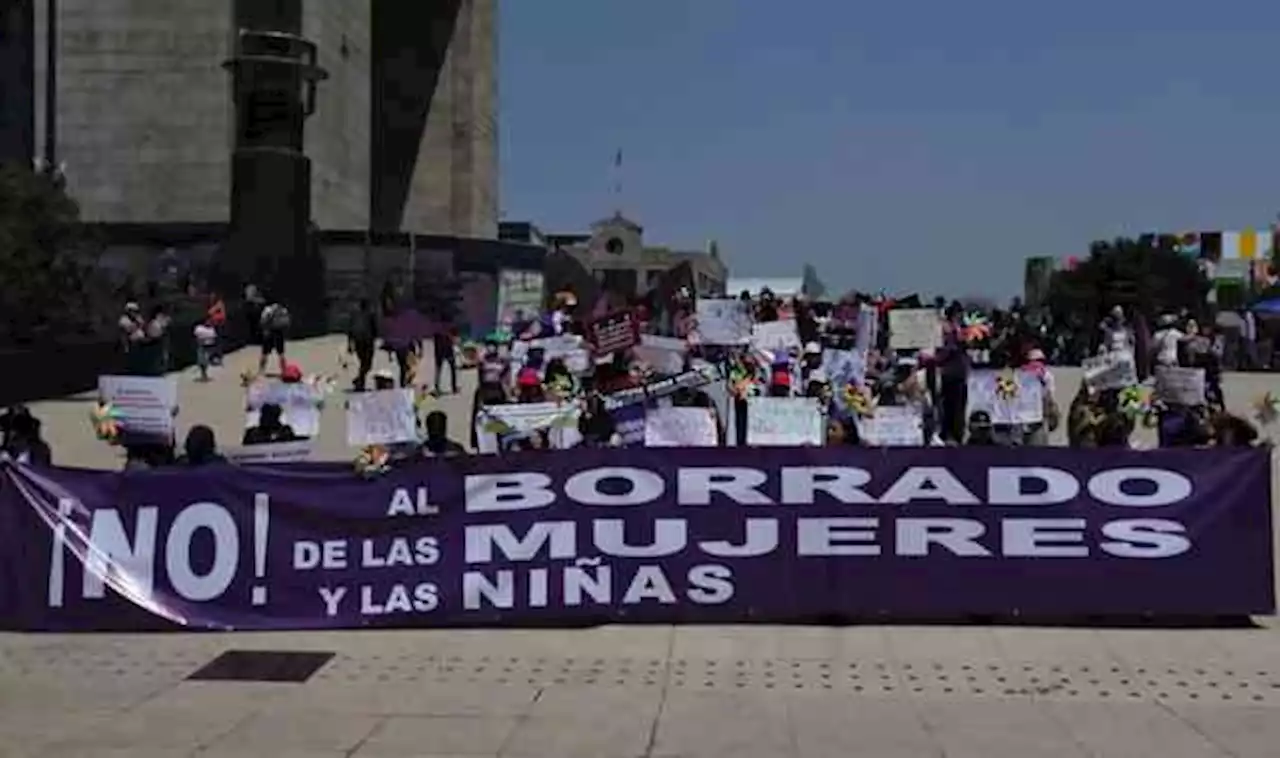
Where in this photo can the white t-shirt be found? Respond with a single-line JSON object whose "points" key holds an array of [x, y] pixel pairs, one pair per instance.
{"points": [[1166, 346], [205, 334]]}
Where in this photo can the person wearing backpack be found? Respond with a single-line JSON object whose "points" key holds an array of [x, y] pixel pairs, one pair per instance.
{"points": [[275, 326]]}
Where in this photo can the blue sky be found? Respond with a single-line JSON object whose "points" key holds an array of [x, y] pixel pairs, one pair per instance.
{"points": [[928, 145]]}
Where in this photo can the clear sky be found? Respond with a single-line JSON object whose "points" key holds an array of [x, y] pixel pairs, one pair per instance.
{"points": [[928, 145]]}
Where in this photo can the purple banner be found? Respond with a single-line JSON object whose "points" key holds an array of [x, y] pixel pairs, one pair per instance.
{"points": [[640, 535]]}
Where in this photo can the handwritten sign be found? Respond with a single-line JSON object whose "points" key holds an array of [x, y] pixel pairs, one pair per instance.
{"points": [[893, 426], [568, 348], [914, 329], [1180, 386], [276, 452], [299, 404], [680, 427], [614, 332], [775, 337], [1025, 405], [723, 322], [146, 404], [785, 422], [519, 295], [665, 354], [385, 417], [1111, 371], [497, 426]]}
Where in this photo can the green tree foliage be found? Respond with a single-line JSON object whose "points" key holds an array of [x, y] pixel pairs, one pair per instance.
{"points": [[41, 280], [1147, 278]]}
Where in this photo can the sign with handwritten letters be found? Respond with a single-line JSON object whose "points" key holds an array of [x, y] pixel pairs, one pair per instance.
{"points": [[497, 426], [680, 427], [893, 426], [519, 295], [914, 329], [569, 348], [665, 354], [275, 452], [299, 403], [614, 332], [785, 421], [1111, 371], [724, 322], [775, 337], [385, 417], [1011, 397], [1180, 386], [146, 404]]}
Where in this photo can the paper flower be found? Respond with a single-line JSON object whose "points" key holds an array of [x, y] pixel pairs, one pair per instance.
{"points": [[421, 399], [974, 327], [248, 377], [560, 387], [1135, 402], [106, 422], [860, 400], [373, 461], [1267, 409], [1006, 387]]}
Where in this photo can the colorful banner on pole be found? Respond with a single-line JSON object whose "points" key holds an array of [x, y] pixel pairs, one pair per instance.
{"points": [[639, 535]]}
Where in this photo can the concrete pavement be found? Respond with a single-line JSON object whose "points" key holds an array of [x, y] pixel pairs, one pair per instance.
{"points": [[621, 692]]}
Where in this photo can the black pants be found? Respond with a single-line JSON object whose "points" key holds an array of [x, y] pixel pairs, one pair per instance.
{"points": [[446, 358], [364, 354], [955, 396], [404, 363]]}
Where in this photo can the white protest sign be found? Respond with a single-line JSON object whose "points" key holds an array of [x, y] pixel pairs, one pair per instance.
{"points": [[776, 337], [1111, 371], [785, 422], [146, 404], [723, 322], [519, 295], [385, 417], [1180, 386], [665, 354], [680, 427], [569, 348], [1019, 401], [893, 426], [914, 329], [275, 452], [299, 403], [494, 423]]}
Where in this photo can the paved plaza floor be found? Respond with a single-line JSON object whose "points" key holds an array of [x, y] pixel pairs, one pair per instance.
{"points": [[622, 692]]}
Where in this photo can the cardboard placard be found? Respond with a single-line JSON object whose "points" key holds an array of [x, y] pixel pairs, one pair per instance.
{"points": [[146, 404], [1025, 406], [914, 329], [1111, 371], [385, 417], [614, 332], [1180, 386], [680, 427], [775, 337], [723, 322], [299, 405], [893, 426], [785, 422]]}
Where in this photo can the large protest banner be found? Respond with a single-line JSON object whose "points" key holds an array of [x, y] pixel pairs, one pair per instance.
{"points": [[639, 535]]}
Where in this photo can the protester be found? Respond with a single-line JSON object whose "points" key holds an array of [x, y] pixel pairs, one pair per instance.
{"points": [[23, 441], [271, 427], [438, 444], [445, 348], [254, 304], [981, 430], [275, 322], [133, 336], [362, 340], [200, 447], [206, 336], [216, 317]]}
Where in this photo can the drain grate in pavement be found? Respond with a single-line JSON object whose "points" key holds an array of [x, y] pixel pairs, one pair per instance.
{"points": [[292, 667]]}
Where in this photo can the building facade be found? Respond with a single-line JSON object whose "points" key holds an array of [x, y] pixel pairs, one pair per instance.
{"points": [[614, 251], [404, 135]]}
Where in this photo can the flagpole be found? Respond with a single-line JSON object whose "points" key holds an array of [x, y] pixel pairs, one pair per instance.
{"points": [[617, 182]]}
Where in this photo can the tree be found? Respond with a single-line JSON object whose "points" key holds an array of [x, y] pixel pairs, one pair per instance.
{"points": [[41, 280], [1148, 277]]}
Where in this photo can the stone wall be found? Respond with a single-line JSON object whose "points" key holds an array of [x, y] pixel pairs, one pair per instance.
{"points": [[144, 108], [337, 136]]}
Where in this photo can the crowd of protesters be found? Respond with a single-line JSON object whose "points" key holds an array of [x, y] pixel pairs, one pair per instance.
{"points": [[511, 369]]}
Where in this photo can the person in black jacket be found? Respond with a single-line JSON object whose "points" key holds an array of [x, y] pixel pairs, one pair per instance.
{"points": [[362, 340], [23, 441], [270, 429], [200, 448]]}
